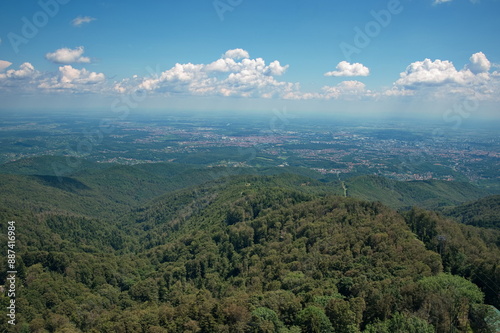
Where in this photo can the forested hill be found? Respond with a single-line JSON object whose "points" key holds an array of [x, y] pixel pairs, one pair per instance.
{"points": [[430, 194], [114, 187], [104, 190], [484, 212], [237, 253]]}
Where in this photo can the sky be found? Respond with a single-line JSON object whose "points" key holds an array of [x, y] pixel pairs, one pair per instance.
{"points": [[417, 57]]}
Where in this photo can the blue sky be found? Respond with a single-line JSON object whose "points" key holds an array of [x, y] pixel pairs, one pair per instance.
{"points": [[359, 56]]}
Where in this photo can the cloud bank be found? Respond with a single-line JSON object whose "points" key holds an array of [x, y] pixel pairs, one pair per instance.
{"points": [[235, 74]]}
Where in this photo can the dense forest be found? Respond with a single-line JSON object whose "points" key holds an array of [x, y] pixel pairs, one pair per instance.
{"points": [[484, 212], [174, 248]]}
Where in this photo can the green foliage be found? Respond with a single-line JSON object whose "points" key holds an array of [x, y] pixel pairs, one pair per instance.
{"points": [[118, 249], [485, 318], [467, 251], [448, 299], [456, 287], [343, 318], [484, 212], [400, 323], [265, 320], [313, 320], [427, 194]]}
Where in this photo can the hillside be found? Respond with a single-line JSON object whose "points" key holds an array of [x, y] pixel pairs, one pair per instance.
{"points": [[105, 190], [484, 212], [122, 186], [429, 194], [245, 253], [50, 166]]}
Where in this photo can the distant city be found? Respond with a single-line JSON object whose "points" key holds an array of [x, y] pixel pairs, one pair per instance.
{"points": [[335, 148]]}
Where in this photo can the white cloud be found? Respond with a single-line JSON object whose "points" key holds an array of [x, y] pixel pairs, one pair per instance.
{"points": [[235, 74], [395, 91], [479, 63], [275, 68], [67, 56], [70, 75], [440, 79], [235, 77], [27, 78], [236, 54], [25, 71], [346, 89], [433, 73], [223, 65], [4, 64], [255, 78], [23, 79], [181, 75], [70, 78], [78, 21], [346, 69]]}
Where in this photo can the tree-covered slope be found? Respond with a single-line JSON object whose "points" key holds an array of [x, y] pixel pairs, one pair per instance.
{"points": [[465, 250], [244, 254], [100, 189], [176, 248], [122, 186], [484, 212], [428, 194], [50, 166]]}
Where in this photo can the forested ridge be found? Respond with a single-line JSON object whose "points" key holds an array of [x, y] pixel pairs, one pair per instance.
{"points": [[169, 248], [484, 212]]}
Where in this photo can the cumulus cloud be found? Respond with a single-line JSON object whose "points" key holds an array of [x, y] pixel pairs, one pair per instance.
{"points": [[236, 54], [67, 78], [235, 74], [23, 79], [180, 77], [479, 63], [70, 75], [346, 69], [67, 56], [432, 73], [276, 69], [25, 71], [441, 77], [78, 21], [70, 78], [223, 65], [4, 64]]}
